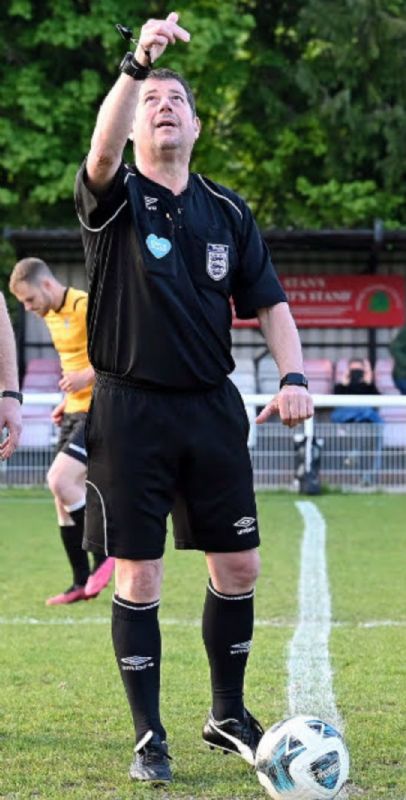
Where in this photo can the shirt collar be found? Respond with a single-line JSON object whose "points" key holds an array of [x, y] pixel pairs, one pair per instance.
{"points": [[152, 186]]}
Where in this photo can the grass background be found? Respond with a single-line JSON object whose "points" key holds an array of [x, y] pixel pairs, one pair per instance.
{"points": [[65, 730]]}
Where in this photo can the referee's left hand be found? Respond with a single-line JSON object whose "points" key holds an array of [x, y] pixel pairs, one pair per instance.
{"points": [[293, 404]]}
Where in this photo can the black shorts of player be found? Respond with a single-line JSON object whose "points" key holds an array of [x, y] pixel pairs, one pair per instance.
{"points": [[151, 453], [72, 436]]}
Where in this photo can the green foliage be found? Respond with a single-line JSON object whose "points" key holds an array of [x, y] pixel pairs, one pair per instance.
{"points": [[303, 104]]}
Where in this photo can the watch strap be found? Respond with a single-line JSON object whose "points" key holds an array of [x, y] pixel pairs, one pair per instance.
{"points": [[294, 379], [130, 66], [10, 393]]}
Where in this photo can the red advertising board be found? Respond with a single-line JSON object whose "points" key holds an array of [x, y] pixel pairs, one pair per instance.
{"points": [[344, 301]]}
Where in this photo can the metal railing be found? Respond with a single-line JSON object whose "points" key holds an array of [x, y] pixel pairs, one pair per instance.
{"points": [[352, 456], [357, 456]]}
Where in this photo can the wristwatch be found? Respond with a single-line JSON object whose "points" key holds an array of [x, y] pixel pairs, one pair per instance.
{"points": [[9, 393], [130, 66], [294, 379]]}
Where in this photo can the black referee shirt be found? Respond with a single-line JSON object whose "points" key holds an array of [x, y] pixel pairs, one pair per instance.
{"points": [[161, 270]]}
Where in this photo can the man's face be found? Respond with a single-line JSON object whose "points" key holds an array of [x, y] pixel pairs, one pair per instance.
{"points": [[356, 368], [35, 297], [164, 120]]}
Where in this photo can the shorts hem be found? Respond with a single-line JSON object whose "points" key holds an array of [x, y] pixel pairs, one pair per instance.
{"points": [[238, 548], [117, 552], [75, 456]]}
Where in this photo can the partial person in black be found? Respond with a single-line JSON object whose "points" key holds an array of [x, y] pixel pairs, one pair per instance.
{"points": [[10, 396], [167, 430]]}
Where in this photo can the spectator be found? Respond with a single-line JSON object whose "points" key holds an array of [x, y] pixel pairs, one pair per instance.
{"points": [[358, 379], [397, 349], [364, 451]]}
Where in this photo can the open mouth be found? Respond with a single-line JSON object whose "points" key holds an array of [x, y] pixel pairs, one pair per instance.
{"points": [[166, 123]]}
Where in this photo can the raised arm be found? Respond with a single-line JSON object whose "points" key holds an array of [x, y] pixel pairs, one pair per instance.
{"points": [[115, 118], [10, 410], [293, 403]]}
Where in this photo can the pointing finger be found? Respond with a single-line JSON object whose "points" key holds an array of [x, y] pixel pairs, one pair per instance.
{"points": [[180, 33]]}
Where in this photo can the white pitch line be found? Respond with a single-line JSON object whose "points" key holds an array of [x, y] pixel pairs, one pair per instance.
{"points": [[310, 682], [191, 623], [168, 621], [310, 687]]}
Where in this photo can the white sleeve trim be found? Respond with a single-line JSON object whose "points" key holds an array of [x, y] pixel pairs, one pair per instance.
{"points": [[97, 230], [221, 196]]}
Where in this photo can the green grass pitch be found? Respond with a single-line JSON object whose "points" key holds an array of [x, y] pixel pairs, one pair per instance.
{"points": [[65, 731]]}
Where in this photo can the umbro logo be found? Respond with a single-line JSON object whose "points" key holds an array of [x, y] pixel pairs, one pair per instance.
{"points": [[245, 525], [150, 203], [136, 663], [240, 647]]}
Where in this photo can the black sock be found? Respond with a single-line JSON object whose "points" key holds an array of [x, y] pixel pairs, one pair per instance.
{"points": [[98, 559], [72, 537], [137, 645], [228, 623]]}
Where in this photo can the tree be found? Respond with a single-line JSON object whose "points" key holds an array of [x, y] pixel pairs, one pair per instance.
{"points": [[303, 104], [330, 114]]}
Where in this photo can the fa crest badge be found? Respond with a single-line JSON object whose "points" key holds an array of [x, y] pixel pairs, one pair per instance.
{"points": [[217, 261]]}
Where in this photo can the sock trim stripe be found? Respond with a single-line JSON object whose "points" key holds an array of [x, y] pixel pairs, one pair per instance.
{"points": [[247, 596], [132, 606]]}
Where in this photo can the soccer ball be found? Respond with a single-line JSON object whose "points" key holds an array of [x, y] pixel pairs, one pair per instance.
{"points": [[302, 758]]}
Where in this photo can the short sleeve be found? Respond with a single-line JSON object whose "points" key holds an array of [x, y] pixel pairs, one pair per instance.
{"points": [[95, 211], [81, 305], [256, 284]]}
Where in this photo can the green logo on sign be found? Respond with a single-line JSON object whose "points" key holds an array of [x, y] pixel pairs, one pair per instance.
{"points": [[379, 303]]}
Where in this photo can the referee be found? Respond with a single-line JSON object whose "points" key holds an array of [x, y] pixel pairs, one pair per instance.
{"points": [[165, 249]]}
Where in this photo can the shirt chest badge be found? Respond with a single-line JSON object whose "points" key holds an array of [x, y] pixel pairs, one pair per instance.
{"points": [[217, 263]]}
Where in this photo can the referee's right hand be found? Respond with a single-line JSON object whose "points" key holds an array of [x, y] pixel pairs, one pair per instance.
{"points": [[10, 420], [155, 36]]}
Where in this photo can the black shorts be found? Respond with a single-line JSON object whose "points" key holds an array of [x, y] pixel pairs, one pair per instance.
{"points": [[72, 436], [152, 453]]}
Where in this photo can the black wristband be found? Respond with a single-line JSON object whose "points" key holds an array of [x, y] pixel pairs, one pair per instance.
{"points": [[294, 379], [9, 393], [130, 66]]}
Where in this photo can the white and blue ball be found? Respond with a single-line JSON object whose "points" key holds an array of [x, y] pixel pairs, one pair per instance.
{"points": [[302, 758]]}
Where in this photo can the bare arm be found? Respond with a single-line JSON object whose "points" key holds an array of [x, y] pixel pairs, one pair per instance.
{"points": [[10, 410], [75, 381], [293, 403], [115, 118]]}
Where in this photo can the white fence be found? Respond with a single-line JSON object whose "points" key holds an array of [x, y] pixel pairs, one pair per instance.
{"points": [[353, 456]]}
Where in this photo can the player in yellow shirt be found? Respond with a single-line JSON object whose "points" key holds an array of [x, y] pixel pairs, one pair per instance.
{"points": [[64, 312]]}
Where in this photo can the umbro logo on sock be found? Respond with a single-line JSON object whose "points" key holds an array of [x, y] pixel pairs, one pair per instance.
{"points": [[245, 525], [136, 663], [240, 647]]}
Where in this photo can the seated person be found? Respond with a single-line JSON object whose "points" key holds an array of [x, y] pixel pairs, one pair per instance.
{"points": [[366, 451], [358, 379]]}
